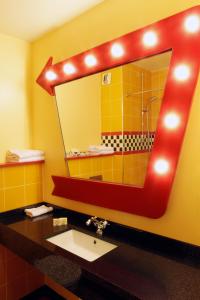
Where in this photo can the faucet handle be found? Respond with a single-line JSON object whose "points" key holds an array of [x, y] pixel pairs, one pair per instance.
{"points": [[105, 223], [90, 220]]}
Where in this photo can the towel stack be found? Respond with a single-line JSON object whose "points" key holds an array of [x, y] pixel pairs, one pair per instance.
{"points": [[15, 155], [37, 211], [97, 150]]}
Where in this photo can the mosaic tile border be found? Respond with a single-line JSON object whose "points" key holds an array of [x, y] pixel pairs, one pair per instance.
{"points": [[128, 141]]}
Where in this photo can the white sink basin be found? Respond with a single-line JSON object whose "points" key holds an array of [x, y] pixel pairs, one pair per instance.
{"points": [[81, 244]]}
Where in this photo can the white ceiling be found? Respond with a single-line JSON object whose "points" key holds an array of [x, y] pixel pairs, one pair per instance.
{"points": [[156, 62], [29, 19]]}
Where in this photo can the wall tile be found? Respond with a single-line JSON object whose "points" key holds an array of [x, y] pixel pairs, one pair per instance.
{"points": [[3, 292], [14, 197], [2, 205], [35, 279], [1, 178], [14, 176], [2, 253], [33, 193], [33, 174], [2, 272], [15, 267], [17, 289], [17, 277]]}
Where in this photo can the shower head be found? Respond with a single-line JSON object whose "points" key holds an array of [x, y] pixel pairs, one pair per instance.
{"points": [[153, 98], [150, 100]]}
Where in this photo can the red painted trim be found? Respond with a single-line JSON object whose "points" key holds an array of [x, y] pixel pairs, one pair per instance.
{"points": [[152, 199], [88, 156], [102, 155], [126, 132], [130, 152], [17, 164]]}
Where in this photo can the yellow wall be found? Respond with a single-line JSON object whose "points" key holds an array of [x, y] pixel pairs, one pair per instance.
{"points": [[79, 105], [14, 104], [20, 186], [181, 220]]}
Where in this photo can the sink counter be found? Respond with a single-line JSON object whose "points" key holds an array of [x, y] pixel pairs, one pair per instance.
{"points": [[143, 266]]}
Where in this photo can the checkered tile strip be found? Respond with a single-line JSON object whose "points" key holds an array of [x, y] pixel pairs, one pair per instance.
{"points": [[114, 140], [129, 142]]}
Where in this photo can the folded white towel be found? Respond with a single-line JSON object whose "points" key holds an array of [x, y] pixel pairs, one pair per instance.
{"points": [[26, 153], [106, 152], [37, 211], [28, 159], [100, 149]]}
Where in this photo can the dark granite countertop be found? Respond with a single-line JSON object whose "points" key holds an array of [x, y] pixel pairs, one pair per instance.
{"points": [[143, 266]]}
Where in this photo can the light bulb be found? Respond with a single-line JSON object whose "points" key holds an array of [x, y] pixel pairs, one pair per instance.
{"points": [[161, 166], [192, 23], [69, 68], [171, 121], [150, 39], [90, 60], [182, 72], [117, 50], [50, 75]]}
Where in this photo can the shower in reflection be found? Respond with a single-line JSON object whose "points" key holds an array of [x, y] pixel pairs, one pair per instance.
{"points": [[146, 114]]}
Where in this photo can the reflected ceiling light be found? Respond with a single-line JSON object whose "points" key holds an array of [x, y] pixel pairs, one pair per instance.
{"points": [[117, 50], [161, 166], [192, 23], [68, 69], [150, 39], [171, 120], [182, 72], [90, 60], [50, 75]]}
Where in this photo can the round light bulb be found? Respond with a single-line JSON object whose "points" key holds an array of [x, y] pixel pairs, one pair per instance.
{"points": [[68, 68], [150, 39], [117, 50], [192, 23], [161, 166], [182, 72], [171, 121], [90, 60], [50, 75]]}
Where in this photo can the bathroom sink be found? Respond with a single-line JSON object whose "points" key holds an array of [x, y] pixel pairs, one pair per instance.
{"points": [[81, 244]]}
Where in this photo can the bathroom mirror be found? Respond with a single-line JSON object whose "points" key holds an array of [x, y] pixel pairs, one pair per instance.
{"points": [[178, 34], [108, 120]]}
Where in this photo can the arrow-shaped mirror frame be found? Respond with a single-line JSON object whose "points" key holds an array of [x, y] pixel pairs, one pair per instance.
{"points": [[176, 33]]}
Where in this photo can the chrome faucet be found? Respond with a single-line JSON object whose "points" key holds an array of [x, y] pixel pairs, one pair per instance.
{"points": [[100, 224]]}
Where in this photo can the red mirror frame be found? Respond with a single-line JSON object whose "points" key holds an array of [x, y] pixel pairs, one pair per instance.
{"points": [[179, 33]]}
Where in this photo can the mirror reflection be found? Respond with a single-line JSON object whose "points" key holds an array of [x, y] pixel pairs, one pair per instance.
{"points": [[108, 120]]}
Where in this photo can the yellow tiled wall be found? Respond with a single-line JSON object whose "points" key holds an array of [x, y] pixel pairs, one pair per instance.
{"points": [[110, 167], [135, 166], [111, 102], [17, 277], [158, 80], [20, 186], [135, 80]]}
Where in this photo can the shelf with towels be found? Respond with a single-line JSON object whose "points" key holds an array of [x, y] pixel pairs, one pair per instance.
{"points": [[88, 156]]}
